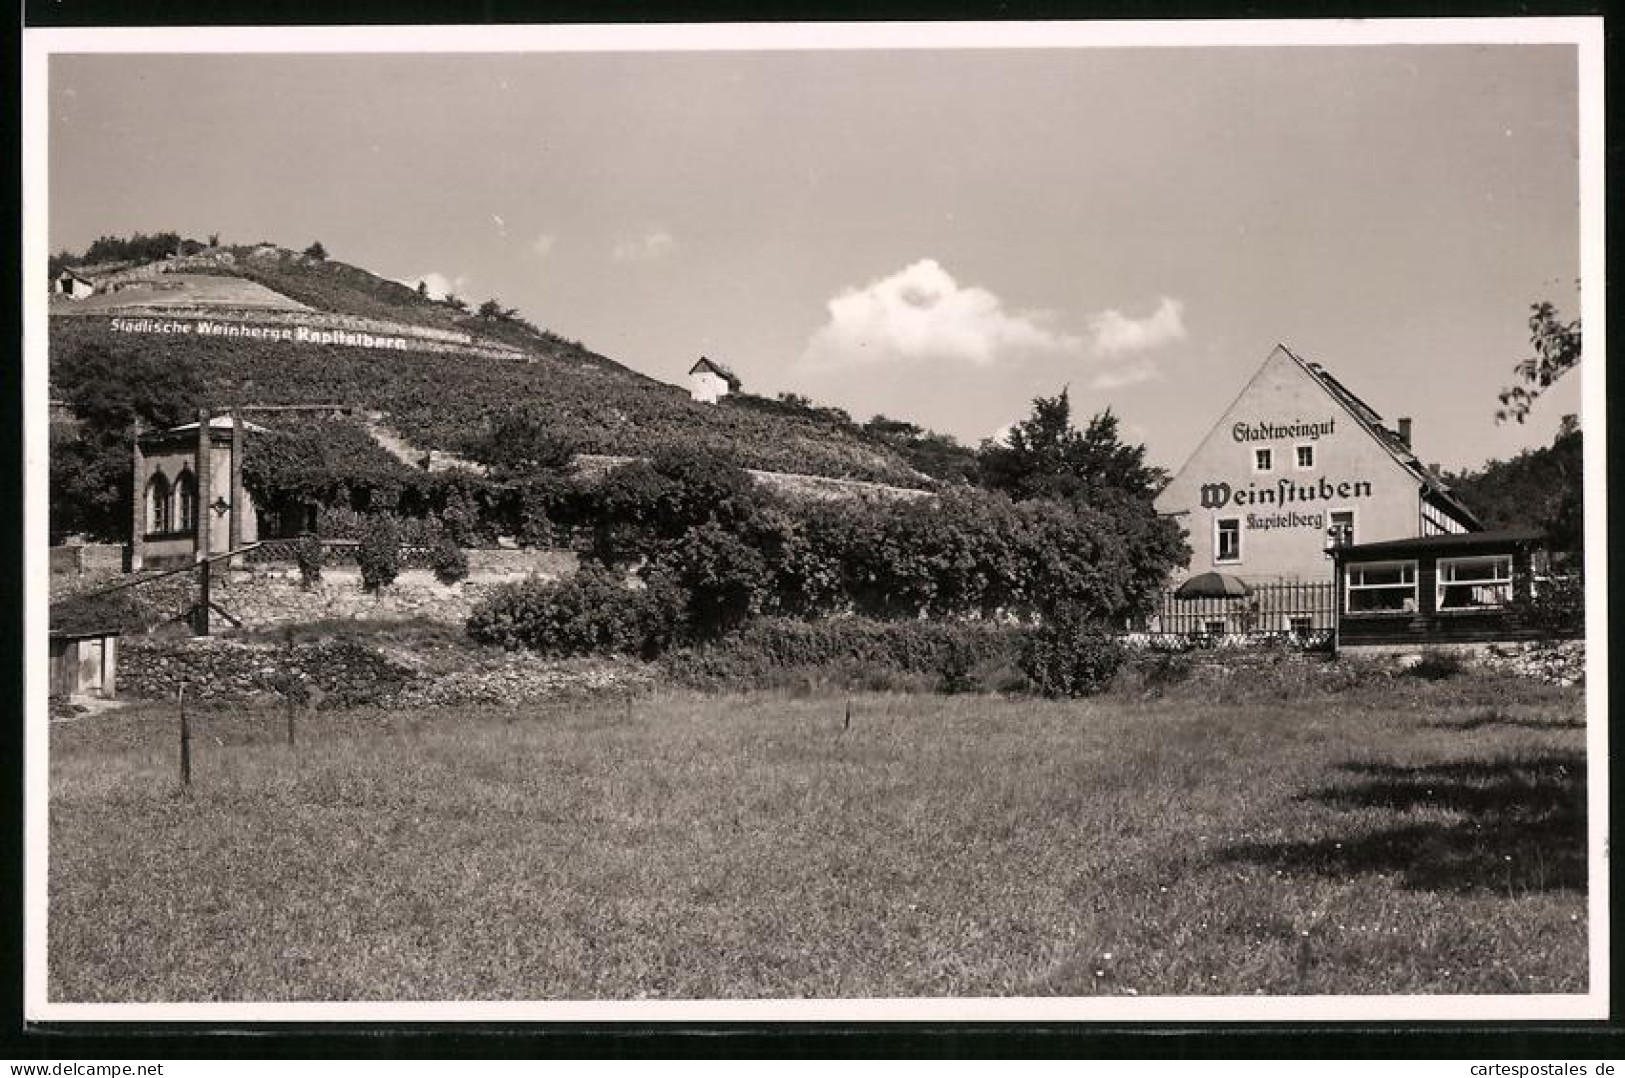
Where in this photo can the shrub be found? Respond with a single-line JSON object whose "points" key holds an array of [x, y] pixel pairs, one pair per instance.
{"points": [[1436, 666], [309, 555], [1071, 655], [1557, 607], [1154, 672], [724, 579], [380, 552], [448, 560], [591, 612], [460, 516], [856, 653]]}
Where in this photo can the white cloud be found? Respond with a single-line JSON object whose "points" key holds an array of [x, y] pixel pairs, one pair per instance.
{"points": [[1113, 333], [922, 313], [438, 284], [652, 244], [542, 245]]}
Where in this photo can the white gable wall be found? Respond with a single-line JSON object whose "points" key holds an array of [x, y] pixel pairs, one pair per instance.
{"points": [[1282, 514], [707, 386]]}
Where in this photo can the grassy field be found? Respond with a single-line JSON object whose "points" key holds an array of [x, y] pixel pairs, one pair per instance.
{"points": [[1419, 838]]}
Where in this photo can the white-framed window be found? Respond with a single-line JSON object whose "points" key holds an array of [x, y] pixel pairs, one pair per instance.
{"points": [[1227, 539], [1263, 458], [1475, 583], [1343, 521], [1214, 628], [1380, 587], [1300, 625], [1304, 457]]}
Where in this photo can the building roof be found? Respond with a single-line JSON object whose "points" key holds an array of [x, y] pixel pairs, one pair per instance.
{"points": [[719, 370], [1445, 544], [1434, 488], [69, 271], [221, 423]]}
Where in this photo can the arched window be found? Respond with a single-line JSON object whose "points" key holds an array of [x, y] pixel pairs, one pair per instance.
{"points": [[186, 500], [157, 504]]}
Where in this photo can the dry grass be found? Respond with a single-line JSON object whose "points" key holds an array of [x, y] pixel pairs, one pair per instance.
{"points": [[740, 846]]}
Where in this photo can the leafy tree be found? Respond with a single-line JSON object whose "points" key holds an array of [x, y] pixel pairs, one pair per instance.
{"points": [[490, 309], [111, 389], [317, 251], [455, 302], [110, 392], [1557, 351], [138, 247], [1539, 488], [423, 289], [214, 239], [1045, 456]]}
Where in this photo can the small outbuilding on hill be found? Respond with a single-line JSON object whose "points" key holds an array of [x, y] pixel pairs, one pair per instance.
{"points": [[710, 381]]}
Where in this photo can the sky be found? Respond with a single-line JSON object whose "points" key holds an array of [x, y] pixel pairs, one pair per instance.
{"points": [[939, 236]]}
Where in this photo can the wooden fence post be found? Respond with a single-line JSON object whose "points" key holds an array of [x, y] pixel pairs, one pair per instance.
{"points": [[186, 739]]}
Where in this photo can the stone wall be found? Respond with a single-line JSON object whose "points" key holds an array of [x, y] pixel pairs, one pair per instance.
{"points": [[271, 595], [87, 558], [1557, 662], [327, 673], [336, 673]]}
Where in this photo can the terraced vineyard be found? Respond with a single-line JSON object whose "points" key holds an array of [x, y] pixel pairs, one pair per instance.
{"points": [[452, 404]]}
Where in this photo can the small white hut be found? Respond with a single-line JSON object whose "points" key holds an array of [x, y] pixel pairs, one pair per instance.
{"points": [[709, 381]]}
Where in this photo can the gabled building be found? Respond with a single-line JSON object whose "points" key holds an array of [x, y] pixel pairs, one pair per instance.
{"points": [[709, 381], [1295, 457], [73, 285]]}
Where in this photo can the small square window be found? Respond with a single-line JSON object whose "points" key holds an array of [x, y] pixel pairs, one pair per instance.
{"points": [[1300, 625], [1263, 459], [1306, 456]]}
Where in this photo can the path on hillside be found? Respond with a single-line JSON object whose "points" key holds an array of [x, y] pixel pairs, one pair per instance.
{"points": [[436, 460]]}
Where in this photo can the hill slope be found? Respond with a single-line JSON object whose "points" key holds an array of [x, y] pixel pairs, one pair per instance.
{"points": [[453, 403]]}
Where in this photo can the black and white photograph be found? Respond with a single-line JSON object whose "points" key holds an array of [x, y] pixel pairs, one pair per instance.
{"points": [[1014, 521]]}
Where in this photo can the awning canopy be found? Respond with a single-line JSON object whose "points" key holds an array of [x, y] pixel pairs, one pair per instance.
{"points": [[1212, 586]]}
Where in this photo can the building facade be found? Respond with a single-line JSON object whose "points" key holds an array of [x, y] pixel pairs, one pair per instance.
{"points": [[189, 498], [1295, 458]]}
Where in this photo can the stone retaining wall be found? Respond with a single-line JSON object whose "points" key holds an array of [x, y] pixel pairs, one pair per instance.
{"points": [[88, 558], [1557, 662], [337, 673], [272, 595]]}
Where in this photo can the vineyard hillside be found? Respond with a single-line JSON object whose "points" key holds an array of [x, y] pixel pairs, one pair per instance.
{"points": [[455, 403]]}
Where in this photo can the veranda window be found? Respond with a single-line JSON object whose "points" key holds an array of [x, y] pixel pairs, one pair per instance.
{"points": [[1381, 587], [1472, 583]]}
